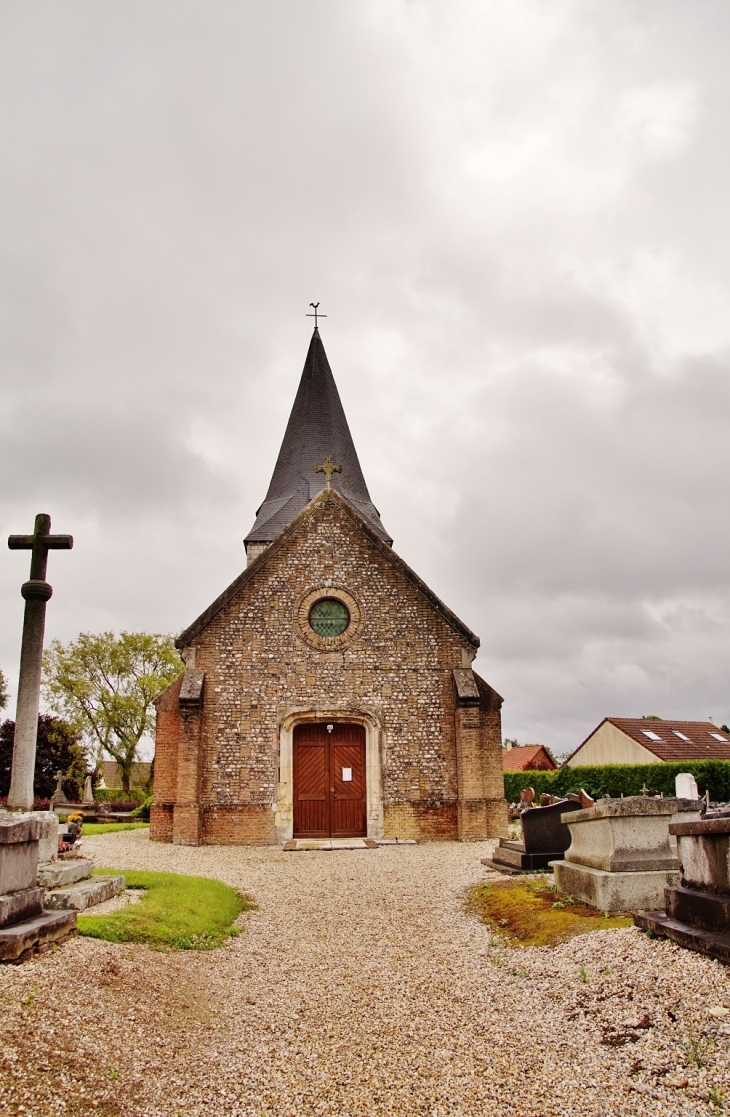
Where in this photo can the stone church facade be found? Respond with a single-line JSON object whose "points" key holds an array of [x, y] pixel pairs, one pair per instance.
{"points": [[327, 692]]}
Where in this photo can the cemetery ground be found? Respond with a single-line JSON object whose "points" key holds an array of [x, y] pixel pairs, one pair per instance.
{"points": [[360, 985]]}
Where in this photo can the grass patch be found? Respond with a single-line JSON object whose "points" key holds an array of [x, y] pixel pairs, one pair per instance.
{"points": [[111, 827], [176, 913], [530, 913]]}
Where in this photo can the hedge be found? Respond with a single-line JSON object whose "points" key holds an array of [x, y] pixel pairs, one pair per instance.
{"points": [[613, 779], [116, 794]]}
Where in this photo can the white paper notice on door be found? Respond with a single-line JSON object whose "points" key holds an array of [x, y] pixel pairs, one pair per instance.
{"points": [[347, 775]]}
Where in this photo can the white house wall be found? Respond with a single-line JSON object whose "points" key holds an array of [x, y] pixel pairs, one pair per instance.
{"points": [[610, 745]]}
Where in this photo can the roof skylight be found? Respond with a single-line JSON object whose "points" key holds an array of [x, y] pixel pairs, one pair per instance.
{"points": [[652, 736], [719, 736], [683, 736]]}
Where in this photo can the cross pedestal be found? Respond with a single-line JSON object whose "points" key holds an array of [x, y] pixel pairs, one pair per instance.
{"points": [[36, 592]]}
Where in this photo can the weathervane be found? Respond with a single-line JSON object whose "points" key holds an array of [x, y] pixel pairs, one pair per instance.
{"points": [[315, 305], [328, 469]]}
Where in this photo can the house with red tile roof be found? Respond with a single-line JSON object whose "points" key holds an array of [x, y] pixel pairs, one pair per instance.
{"points": [[651, 741], [527, 758]]}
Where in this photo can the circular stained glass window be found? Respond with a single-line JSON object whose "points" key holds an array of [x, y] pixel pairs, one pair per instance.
{"points": [[329, 617]]}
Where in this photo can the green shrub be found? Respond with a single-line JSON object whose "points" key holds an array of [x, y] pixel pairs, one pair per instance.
{"points": [[615, 779], [176, 912], [116, 794], [143, 810]]}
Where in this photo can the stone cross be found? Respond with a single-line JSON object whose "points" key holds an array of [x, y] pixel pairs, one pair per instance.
{"points": [[36, 593], [328, 469]]}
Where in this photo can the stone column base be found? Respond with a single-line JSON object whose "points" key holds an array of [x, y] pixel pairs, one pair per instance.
{"points": [[597, 888], [480, 819], [161, 816], [186, 824]]}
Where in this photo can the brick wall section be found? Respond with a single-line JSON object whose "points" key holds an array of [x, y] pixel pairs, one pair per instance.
{"points": [[238, 826], [166, 748], [161, 815], [399, 668], [426, 822], [478, 749], [166, 743]]}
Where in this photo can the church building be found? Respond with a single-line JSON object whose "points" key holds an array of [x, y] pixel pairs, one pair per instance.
{"points": [[327, 692]]}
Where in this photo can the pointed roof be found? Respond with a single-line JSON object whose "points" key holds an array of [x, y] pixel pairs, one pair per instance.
{"points": [[317, 426]]}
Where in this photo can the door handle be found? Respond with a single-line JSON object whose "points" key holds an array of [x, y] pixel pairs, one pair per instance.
{"points": [[332, 790]]}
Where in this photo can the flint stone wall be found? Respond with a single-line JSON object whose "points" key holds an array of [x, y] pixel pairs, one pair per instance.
{"points": [[216, 767]]}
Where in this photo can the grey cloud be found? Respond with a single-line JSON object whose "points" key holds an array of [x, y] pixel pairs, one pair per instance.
{"points": [[515, 219]]}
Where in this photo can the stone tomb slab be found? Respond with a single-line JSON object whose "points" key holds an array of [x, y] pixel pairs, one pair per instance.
{"points": [[26, 903], [613, 891], [19, 837], [57, 874], [697, 912], [84, 893], [48, 927], [24, 926], [620, 858]]}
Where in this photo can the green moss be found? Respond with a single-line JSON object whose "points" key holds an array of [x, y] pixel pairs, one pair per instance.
{"points": [[176, 912], [529, 913], [111, 827]]}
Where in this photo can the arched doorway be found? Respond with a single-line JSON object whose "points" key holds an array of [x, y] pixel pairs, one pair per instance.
{"points": [[330, 793]]}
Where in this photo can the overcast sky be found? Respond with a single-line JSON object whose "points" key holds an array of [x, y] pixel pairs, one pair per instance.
{"points": [[515, 215]]}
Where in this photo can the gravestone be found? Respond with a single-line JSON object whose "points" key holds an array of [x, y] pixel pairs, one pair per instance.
{"points": [[24, 925], [59, 795], [697, 911], [685, 786], [48, 836], [620, 857], [545, 838]]}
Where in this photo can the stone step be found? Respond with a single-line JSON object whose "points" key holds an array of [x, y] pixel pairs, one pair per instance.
{"points": [[84, 894], [303, 844], [48, 927], [711, 943], [506, 856], [18, 906], [57, 874], [707, 910]]}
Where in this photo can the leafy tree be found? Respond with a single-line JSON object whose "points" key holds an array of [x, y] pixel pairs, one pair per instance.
{"points": [[58, 749], [3, 690], [106, 686]]}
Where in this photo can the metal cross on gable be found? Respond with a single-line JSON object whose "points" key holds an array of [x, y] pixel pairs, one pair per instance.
{"points": [[315, 315], [328, 469]]}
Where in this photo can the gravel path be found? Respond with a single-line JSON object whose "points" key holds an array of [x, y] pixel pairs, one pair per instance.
{"points": [[359, 988]]}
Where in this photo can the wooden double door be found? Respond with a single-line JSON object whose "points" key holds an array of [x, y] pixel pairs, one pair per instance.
{"points": [[329, 781]]}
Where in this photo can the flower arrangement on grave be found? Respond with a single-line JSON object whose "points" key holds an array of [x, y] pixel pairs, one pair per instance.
{"points": [[74, 822]]}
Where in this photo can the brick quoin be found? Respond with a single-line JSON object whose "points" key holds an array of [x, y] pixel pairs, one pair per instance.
{"points": [[406, 670]]}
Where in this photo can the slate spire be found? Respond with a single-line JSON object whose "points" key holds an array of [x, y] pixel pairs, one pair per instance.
{"points": [[317, 426]]}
